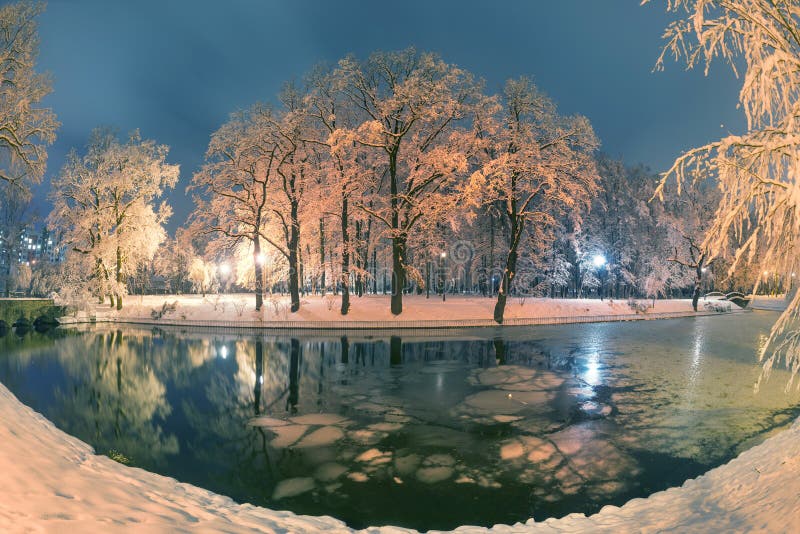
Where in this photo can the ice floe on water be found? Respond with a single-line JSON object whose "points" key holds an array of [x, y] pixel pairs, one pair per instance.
{"points": [[555, 459], [329, 471], [286, 436], [321, 437], [407, 463], [291, 487], [358, 476], [318, 419], [267, 422], [433, 474]]}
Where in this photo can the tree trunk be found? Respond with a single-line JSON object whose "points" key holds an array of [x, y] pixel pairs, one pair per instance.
{"points": [[294, 260], [491, 254], [509, 272], [363, 256], [322, 254], [259, 272], [359, 281], [345, 260], [374, 270], [697, 282], [119, 278], [398, 239], [427, 278], [398, 274]]}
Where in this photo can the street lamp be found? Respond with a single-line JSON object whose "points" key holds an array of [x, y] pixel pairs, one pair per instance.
{"points": [[260, 259], [224, 270], [443, 256], [599, 261]]}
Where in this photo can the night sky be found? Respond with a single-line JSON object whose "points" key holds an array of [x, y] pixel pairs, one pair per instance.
{"points": [[176, 69]]}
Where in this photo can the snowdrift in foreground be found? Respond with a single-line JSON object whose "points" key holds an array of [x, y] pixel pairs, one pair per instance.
{"points": [[53, 482]]}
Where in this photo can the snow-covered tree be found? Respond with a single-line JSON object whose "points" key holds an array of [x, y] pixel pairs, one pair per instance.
{"points": [[202, 275], [259, 165], [758, 172], [174, 258], [656, 282], [104, 204], [22, 278], [344, 173], [622, 225], [234, 204], [687, 219], [296, 175], [26, 129], [412, 106], [538, 165]]}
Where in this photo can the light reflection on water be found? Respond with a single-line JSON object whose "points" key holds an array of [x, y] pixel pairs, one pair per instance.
{"points": [[592, 374], [370, 429]]}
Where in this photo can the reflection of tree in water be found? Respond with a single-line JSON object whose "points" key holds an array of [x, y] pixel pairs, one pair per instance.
{"points": [[283, 378], [265, 381], [26, 344], [117, 398], [294, 369]]}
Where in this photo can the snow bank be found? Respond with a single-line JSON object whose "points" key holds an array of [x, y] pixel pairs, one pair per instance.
{"points": [[240, 308], [53, 482]]}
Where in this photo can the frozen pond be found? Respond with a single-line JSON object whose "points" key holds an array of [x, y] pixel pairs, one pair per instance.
{"points": [[426, 432]]}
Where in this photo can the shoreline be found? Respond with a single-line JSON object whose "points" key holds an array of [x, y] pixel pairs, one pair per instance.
{"points": [[403, 325]]}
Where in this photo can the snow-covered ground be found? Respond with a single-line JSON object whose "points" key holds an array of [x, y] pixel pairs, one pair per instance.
{"points": [[241, 307], [55, 483], [774, 303]]}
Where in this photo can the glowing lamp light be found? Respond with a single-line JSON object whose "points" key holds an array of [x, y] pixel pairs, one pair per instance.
{"points": [[443, 254], [260, 259], [704, 269], [224, 268], [599, 260]]}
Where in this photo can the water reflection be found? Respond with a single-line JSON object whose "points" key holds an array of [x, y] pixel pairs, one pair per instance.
{"points": [[539, 422]]}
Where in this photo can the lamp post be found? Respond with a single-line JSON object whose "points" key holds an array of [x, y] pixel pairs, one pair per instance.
{"points": [[443, 257]]}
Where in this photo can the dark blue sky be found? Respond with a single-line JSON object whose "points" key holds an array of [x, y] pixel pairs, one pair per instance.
{"points": [[176, 69]]}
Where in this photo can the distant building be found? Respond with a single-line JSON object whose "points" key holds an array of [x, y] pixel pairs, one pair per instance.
{"points": [[31, 248]]}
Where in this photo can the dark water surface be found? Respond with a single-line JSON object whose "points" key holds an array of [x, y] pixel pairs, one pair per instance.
{"points": [[425, 432]]}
